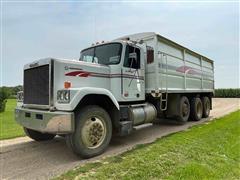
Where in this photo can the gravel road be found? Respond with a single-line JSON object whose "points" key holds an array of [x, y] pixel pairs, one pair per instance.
{"points": [[22, 158]]}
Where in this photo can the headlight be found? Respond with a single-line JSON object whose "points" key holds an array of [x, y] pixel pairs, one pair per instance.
{"points": [[63, 96], [20, 96]]}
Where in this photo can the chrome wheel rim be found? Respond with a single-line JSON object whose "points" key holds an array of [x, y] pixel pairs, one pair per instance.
{"points": [[93, 132]]}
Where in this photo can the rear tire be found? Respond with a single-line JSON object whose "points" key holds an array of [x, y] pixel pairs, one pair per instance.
{"points": [[206, 107], [196, 109], [92, 134], [38, 136], [184, 110]]}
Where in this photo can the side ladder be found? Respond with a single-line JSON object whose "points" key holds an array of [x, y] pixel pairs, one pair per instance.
{"points": [[164, 91], [163, 101]]}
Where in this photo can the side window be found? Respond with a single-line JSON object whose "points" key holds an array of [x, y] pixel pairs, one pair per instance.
{"points": [[87, 55], [129, 61], [88, 58], [150, 55]]}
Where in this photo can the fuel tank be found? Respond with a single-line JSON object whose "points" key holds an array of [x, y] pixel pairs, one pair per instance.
{"points": [[141, 114]]}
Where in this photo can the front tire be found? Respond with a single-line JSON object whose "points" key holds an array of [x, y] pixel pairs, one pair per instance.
{"points": [[196, 109], [38, 136], [92, 134]]}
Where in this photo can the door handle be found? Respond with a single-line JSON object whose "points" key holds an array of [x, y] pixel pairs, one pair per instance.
{"points": [[130, 71]]}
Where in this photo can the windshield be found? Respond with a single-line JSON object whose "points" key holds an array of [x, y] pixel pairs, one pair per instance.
{"points": [[103, 54]]}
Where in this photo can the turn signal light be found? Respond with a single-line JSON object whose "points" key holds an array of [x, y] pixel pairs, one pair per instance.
{"points": [[67, 84]]}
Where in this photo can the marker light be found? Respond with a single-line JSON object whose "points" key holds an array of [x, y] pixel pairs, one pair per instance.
{"points": [[67, 84]]}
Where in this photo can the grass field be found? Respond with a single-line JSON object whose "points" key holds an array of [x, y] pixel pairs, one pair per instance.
{"points": [[208, 151], [8, 127]]}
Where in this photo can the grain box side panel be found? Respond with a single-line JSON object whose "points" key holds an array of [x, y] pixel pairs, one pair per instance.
{"points": [[193, 72], [170, 64], [208, 74], [178, 69]]}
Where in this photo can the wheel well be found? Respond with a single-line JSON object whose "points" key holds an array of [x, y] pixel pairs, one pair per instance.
{"points": [[103, 101]]}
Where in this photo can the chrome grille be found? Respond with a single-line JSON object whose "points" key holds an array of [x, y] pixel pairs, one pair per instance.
{"points": [[36, 85]]}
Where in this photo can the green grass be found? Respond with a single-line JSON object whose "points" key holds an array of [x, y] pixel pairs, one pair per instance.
{"points": [[207, 151], [8, 126]]}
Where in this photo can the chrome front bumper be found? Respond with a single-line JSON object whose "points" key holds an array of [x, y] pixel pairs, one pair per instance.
{"points": [[57, 122]]}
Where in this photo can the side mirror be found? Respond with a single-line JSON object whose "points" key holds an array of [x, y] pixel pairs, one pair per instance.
{"points": [[133, 60], [133, 56]]}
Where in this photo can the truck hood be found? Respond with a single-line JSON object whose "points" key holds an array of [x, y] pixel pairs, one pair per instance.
{"points": [[69, 64], [53, 73], [80, 74]]}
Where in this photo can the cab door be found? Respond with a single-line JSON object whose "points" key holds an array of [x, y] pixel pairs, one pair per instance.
{"points": [[133, 74]]}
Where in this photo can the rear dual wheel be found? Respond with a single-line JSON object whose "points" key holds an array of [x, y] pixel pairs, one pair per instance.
{"points": [[200, 108], [194, 110], [206, 106], [184, 110]]}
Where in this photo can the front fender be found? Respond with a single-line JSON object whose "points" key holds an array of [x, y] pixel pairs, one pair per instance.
{"points": [[77, 94]]}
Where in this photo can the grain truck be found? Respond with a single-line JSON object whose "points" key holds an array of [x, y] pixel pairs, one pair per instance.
{"points": [[112, 88]]}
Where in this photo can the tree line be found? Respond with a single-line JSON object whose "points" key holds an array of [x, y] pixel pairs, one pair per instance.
{"points": [[8, 93], [227, 93]]}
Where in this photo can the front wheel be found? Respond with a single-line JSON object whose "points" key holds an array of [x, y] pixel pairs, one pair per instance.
{"points": [[93, 132], [38, 136]]}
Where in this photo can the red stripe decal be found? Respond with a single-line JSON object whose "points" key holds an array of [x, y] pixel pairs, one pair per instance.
{"points": [[78, 73], [189, 70], [93, 74]]}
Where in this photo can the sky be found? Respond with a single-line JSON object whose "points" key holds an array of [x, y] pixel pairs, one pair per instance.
{"points": [[34, 30]]}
